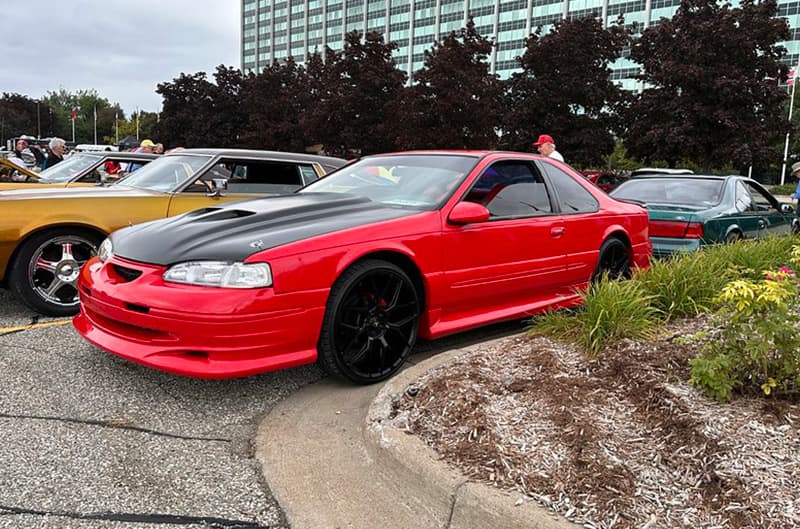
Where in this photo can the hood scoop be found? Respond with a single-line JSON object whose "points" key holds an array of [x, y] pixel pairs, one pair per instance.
{"points": [[218, 214]]}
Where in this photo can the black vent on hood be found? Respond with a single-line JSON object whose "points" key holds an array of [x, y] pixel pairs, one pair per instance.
{"points": [[215, 214]]}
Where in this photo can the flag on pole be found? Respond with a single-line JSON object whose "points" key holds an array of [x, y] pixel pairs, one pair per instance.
{"points": [[74, 114], [791, 77]]}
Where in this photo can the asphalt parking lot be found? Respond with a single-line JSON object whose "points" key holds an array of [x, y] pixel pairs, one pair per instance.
{"points": [[89, 441]]}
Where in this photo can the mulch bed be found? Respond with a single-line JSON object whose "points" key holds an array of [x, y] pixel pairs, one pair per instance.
{"points": [[622, 441]]}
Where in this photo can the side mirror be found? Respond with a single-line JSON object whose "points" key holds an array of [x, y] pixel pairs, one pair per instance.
{"points": [[467, 213], [218, 187], [787, 208]]}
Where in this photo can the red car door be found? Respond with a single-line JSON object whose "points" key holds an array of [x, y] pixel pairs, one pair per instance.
{"points": [[514, 258], [583, 227]]}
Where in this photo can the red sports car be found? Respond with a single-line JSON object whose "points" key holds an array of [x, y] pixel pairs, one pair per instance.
{"points": [[352, 268]]}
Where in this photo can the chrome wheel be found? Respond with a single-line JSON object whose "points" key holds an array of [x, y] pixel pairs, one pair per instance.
{"points": [[44, 272], [54, 268]]}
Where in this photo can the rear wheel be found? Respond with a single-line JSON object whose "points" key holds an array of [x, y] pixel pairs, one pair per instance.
{"points": [[44, 272], [733, 237], [370, 324], [614, 260]]}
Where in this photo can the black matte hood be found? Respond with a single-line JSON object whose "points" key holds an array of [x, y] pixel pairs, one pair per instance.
{"points": [[236, 230]]}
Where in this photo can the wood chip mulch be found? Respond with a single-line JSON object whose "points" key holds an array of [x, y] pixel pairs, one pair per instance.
{"points": [[620, 442]]}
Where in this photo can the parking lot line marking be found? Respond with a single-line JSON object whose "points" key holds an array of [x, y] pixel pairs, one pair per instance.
{"points": [[9, 330]]}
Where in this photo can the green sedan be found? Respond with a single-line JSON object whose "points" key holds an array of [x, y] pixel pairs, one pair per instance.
{"points": [[690, 211]]}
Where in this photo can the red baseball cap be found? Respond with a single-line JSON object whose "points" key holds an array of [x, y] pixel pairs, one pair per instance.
{"points": [[544, 138]]}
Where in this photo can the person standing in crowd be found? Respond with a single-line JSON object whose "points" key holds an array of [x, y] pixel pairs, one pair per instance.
{"points": [[23, 154], [159, 148], [57, 149], [146, 146], [547, 147]]}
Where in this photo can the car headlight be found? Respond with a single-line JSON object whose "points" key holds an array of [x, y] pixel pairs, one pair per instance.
{"points": [[220, 274], [106, 250]]}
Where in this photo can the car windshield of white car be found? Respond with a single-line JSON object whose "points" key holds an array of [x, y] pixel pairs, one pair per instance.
{"points": [[69, 169], [681, 191], [167, 173], [418, 181]]}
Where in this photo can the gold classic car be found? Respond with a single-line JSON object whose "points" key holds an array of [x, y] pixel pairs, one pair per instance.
{"points": [[46, 234], [78, 170]]}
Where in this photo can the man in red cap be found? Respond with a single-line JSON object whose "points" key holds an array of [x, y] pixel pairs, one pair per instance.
{"points": [[547, 147]]}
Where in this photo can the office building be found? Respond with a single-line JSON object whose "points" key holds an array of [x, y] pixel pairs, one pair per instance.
{"points": [[273, 30]]}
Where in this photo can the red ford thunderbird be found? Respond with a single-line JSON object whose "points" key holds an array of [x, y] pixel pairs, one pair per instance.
{"points": [[352, 268]]}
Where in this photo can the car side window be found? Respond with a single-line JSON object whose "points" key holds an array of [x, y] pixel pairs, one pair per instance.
{"points": [[269, 177], [760, 200], [511, 189], [572, 196], [252, 176], [744, 202], [204, 183], [92, 177], [308, 173]]}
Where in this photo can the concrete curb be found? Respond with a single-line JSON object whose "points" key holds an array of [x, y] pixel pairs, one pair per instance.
{"points": [[447, 496]]}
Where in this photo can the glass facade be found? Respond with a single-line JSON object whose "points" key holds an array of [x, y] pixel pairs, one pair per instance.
{"points": [[273, 30]]}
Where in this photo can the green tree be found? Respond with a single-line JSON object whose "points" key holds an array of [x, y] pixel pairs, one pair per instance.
{"points": [[20, 114], [455, 101], [710, 86], [199, 113], [565, 90], [274, 102], [87, 105]]}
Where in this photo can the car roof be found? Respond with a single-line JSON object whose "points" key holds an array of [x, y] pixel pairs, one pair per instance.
{"points": [[254, 153], [656, 176], [661, 170], [116, 154]]}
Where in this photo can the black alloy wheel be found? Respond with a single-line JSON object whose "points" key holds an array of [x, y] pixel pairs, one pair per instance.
{"points": [[44, 272], [614, 261], [370, 324]]}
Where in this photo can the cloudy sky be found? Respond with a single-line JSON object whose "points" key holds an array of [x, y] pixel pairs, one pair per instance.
{"points": [[122, 49]]}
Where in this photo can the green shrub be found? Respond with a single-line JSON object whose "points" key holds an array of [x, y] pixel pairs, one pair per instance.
{"points": [[611, 310], [683, 286], [758, 347], [785, 189], [688, 284]]}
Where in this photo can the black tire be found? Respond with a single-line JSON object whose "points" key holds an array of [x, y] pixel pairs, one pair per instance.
{"points": [[44, 272], [370, 324], [733, 237], [613, 260]]}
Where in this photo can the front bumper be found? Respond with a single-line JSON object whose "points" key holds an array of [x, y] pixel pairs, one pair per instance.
{"points": [[196, 331]]}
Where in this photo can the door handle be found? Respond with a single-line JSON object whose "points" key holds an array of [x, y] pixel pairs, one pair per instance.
{"points": [[557, 231]]}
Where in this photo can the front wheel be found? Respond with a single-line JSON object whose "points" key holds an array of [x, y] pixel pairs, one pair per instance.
{"points": [[370, 324], [44, 272], [613, 261]]}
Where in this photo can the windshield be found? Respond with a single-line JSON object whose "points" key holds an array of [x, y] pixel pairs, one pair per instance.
{"points": [[167, 173], [698, 192], [423, 181], [68, 169]]}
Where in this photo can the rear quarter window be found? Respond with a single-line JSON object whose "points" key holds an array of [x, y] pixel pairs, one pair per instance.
{"points": [[571, 195]]}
